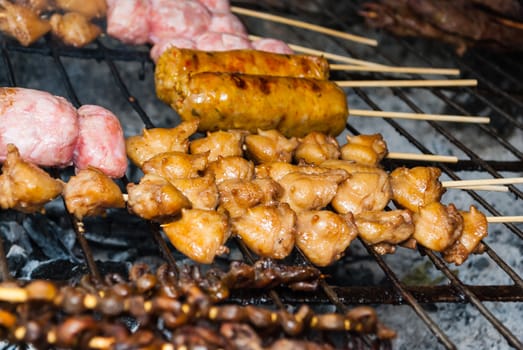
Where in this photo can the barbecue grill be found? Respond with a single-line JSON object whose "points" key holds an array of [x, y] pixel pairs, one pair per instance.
{"points": [[430, 303]]}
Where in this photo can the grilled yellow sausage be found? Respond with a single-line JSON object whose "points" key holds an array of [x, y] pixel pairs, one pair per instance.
{"points": [[294, 106], [175, 65]]}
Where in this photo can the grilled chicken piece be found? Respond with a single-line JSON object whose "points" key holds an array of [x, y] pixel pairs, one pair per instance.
{"points": [[159, 140], [219, 144], [74, 29], [229, 168], [37, 6], [270, 146], [22, 23], [416, 187], [277, 170], [475, 228], [201, 191], [350, 166], [175, 165], [199, 234], [90, 8], [316, 148], [238, 195], [90, 192], [154, 198], [365, 149], [24, 186], [311, 192], [323, 236], [391, 227], [363, 192], [436, 226], [268, 230]]}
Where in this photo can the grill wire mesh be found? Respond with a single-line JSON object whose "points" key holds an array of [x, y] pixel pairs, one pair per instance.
{"points": [[415, 292]]}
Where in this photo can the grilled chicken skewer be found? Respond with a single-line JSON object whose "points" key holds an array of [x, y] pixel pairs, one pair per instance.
{"points": [[274, 205]]}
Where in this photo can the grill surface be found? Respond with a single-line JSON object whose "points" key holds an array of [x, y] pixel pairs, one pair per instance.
{"points": [[436, 308]]}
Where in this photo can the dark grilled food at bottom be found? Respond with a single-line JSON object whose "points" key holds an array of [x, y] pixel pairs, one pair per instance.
{"points": [[170, 311]]}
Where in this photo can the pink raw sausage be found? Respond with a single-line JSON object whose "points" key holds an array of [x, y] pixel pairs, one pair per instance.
{"points": [[43, 127], [101, 142]]}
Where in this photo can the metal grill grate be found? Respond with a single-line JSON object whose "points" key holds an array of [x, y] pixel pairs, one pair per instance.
{"points": [[128, 78]]}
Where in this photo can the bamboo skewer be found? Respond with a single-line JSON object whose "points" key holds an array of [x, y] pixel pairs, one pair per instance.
{"points": [[504, 219], [408, 83], [422, 157], [304, 25], [483, 182], [483, 188], [419, 116], [328, 55], [390, 69]]}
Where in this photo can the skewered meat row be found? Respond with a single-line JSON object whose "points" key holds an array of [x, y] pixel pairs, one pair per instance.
{"points": [[194, 24], [233, 94], [64, 316], [23, 20], [290, 201], [27, 188], [49, 131]]}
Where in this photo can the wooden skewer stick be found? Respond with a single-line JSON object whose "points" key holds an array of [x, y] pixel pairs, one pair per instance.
{"points": [[483, 182], [408, 83], [390, 69], [504, 219], [328, 55], [422, 157], [483, 188], [304, 25], [419, 116]]}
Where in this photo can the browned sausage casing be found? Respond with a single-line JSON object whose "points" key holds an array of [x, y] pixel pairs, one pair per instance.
{"points": [[175, 65], [294, 106]]}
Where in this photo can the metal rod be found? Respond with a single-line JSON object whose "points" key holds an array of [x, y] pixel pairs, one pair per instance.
{"points": [[123, 88], [94, 272], [406, 296], [10, 72], [387, 294], [164, 248], [73, 97], [500, 327], [5, 275]]}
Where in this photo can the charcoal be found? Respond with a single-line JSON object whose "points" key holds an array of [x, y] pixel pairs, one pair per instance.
{"points": [[47, 236]]}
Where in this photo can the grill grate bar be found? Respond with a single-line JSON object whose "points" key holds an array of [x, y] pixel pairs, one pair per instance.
{"points": [[489, 130], [500, 327], [123, 88], [63, 73], [482, 98], [5, 275], [336, 19], [445, 132], [11, 80], [409, 298], [387, 294], [501, 263], [497, 68], [247, 254], [164, 248]]}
